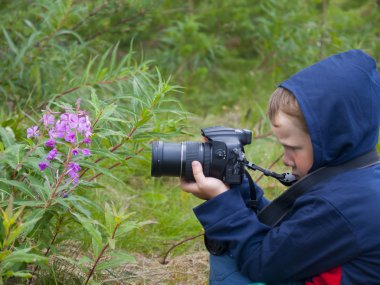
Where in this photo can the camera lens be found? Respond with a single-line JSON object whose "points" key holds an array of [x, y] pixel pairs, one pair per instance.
{"points": [[174, 159]]}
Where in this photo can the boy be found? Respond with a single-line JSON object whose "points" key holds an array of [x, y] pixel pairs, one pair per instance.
{"points": [[325, 115]]}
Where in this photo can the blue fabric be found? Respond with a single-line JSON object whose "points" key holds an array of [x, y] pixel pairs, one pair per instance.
{"points": [[223, 271], [340, 99], [336, 222]]}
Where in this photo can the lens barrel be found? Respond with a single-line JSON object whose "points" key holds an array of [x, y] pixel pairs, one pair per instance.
{"points": [[174, 159]]}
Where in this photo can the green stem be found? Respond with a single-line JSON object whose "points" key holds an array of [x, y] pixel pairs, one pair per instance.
{"points": [[53, 194]]}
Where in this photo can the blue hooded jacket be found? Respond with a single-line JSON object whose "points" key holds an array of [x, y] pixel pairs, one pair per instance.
{"points": [[333, 231]]}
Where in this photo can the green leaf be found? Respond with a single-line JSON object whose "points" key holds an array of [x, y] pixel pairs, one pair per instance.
{"points": [[107, 112], [145, 117], [112, 243], [4, 254], [101, 70], [13, 155], [21, 274], [69, 32], [84, 259], [90, 228], [7, 136], [109, 219], [95, 102], [31, 220], [104, 133], [20, 186], [125, 228], [95, 166], [96, 248], [40, 186], [21, 256], [107, 153], [86, 74], [113, 57], [29, 203], [117, 260], [10, 42]]}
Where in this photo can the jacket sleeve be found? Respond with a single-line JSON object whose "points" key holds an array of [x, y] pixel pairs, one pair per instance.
{"points": [[314, 239]]}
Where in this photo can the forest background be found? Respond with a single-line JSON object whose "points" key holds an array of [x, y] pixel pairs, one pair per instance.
{"points": [[81, 207]]}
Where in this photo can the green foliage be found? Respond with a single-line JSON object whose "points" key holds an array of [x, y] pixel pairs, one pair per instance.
{"points": [[48, 63], [254, 44], [14, 255]]}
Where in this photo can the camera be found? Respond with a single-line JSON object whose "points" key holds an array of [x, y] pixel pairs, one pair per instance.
{"points": [[222, 156]]}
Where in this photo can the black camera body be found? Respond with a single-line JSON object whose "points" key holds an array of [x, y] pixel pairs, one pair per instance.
{"points": [[222, 156], [227, 153]]}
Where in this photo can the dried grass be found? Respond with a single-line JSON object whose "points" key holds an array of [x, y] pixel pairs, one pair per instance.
{"points": [[187, 269], [181, 270]]}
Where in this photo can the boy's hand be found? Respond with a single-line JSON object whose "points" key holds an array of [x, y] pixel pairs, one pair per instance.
{"points": [[203, 187]]}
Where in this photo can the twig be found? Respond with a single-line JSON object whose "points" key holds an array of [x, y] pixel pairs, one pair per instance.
{"points": [[113, 149], [164, 261], [113, 166]]}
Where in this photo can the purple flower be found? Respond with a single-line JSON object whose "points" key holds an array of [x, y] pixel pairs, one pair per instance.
{"points": [[73, 121], [73, 168], [74, 175], [58, 131], [61, 128], [50, 143], [47, 119], [86, 152], [75, 151], [32, 132], [65, 117], [72, 171], [52, 154], [43, 165], [70, 137], [87, 141], [84, 124], [75, 180], [87, 133]]}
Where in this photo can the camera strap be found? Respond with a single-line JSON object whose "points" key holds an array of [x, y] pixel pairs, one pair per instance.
{"points": [[252, 203], [273, 214]]}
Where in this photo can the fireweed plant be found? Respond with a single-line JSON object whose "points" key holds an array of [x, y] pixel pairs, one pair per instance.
{"points": [[43, 186], [51, 172], [57, 166], [67, 136]]}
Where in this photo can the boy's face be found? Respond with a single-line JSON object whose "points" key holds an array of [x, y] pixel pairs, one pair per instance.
{"points": [[296, 142]]}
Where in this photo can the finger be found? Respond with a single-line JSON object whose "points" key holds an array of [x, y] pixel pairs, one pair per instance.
{"points": [[198, 172], [189, 187]]}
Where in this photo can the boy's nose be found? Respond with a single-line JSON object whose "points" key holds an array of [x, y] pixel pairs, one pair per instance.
{"points": [[287, 161]]}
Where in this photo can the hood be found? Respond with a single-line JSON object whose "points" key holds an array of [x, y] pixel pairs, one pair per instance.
{"points": [[340, 99]]}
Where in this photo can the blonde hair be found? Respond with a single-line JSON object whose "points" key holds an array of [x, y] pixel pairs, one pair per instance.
{"points": [[283, 100]]}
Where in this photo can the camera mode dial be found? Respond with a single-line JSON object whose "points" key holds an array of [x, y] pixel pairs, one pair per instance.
{"points": [[220, 154]]}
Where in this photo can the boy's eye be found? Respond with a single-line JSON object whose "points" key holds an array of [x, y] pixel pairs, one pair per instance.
{"points": [[292, 148]]}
